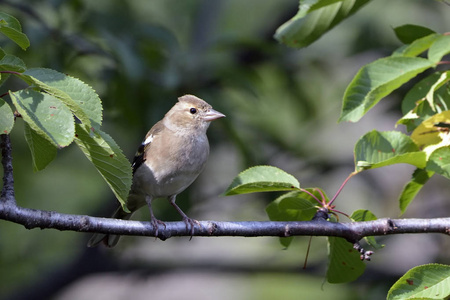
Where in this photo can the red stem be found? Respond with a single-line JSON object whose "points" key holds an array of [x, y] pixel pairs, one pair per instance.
{"points": [[321, 195], [11, 72], [341, 212], [341, 187], [312, 195]]}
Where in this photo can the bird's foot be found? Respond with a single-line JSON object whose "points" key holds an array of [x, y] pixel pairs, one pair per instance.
{"points": [[191, 223], [155, 222]]}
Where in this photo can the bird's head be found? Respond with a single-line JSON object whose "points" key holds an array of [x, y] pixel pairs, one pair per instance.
{"points": [[191, 112]]}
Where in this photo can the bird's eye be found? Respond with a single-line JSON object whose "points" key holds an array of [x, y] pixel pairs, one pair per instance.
{"points": [[193, 110]]}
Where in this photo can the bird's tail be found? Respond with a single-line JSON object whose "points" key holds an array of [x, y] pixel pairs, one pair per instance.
{"points": [[110, 240]]}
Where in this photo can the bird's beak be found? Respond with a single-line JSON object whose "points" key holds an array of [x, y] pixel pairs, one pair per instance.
{"points": [[212, 115]]}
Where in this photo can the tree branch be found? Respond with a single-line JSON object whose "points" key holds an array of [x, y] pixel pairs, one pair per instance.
{"points": [[353, 232], [7, 195]]}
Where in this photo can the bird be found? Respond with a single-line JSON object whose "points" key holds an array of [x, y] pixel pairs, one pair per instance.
{"points": [[174, 152]]}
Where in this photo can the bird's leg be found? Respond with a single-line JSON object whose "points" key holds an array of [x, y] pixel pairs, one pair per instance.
{"points": [[188, 221], [155, 222]]}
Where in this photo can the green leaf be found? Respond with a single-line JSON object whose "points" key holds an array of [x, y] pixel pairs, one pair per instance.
{"points": [[3, 78], [294, 206], [308, 6], [42, 151], [80, 97], [409, 192], [362, 215], [6, 117], [12, 63], [45, 114], [418, 46], [298, 206], [304, 210], [314, 18], [377, 80], [443, 79], [9, 21], [108, 158], [344, 262], [439, 48], [275, 214], [419, 91], [10, 27], [439, 161], [286, 241], [409, 33], [378, 149], [415, 106], [430, 281], [262, 179]]}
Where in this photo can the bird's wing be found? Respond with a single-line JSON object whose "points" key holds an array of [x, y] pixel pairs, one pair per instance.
{"points": [[141, 152]]}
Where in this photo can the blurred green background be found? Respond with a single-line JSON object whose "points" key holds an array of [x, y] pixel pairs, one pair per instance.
{"points": [[282, 106]]}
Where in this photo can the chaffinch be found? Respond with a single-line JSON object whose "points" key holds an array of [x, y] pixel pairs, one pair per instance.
{"points": [[172, 155]]}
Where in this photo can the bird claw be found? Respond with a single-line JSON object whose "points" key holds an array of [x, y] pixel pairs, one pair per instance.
{"points": [[155, 222], [191, 223]]}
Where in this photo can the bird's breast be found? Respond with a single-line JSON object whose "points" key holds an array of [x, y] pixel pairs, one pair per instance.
{"points": [[174, 168]]}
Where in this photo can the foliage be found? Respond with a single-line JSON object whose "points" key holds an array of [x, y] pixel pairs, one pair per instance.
{"points": [[78, 116], [314, 18], [57, 110], [425, 110], [262, 179], [430, 281]]}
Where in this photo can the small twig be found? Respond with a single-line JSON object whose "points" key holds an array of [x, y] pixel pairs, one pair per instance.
{"points": [[307, 253]]}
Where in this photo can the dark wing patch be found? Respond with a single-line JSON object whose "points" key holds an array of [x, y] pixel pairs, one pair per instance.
{"points": [[138, 158], [140, 155]]}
